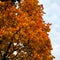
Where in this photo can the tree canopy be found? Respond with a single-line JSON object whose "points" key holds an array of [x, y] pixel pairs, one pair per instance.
{"points": [[23, 32]]}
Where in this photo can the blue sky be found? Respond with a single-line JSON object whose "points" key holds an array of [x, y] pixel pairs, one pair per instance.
{"points": [[52, 9]]}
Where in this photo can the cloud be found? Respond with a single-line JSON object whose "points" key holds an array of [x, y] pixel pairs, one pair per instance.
{"points": [[56, 52], [56, 1]]}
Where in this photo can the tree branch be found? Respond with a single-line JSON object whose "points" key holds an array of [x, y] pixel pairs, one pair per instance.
{"points": [[5, 54]]}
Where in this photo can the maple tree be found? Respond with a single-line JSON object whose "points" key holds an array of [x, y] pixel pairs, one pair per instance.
{"points": [[23, 32]]}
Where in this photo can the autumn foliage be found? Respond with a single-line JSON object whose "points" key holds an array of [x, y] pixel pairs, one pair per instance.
{"points": [[23, 32]]}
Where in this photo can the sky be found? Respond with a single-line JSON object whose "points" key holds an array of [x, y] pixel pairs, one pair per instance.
{"points": [[52, 9]]}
